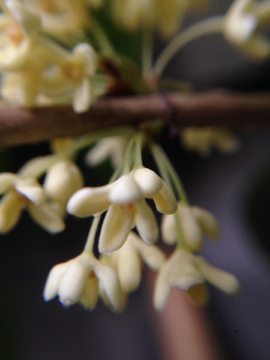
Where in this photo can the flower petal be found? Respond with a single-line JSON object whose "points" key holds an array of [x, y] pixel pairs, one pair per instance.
{"points": [[11, 208], [46, 217], [165, 200], [7, 181], [125, 190], [146, 222], [74, 282], [149, 182], [110, 285], [221, 279], [151, 255], [53, 280], [115, 228], [207, 222], [129, 267], [90, 297], [89, 201]]}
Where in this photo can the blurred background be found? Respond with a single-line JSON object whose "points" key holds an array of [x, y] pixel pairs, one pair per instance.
{"points": [[236, 188]]}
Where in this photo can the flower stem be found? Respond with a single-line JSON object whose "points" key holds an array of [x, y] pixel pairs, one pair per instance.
{"points": [[138, 150], [128, 154], [81, 143], [88, 248], [204, 27], [147, 50], [170, 171]]}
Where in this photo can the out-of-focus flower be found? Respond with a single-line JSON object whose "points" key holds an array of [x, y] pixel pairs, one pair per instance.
{"points": [[241, 27], [166, 16], [125, 201], [194, 222], [62, 180], [110, 147], [203, 140], [64, 17], [77, 280], [189, 272], [127, 261], [25, 192]]}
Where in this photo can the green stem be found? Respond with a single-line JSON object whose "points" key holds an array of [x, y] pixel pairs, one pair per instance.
{"points": [[106, 47], [128, 154], [204, 27], [138, 150], [147, 50], [88, 248], [162, 157], [81, 143], [160, 164], [179, 232]]}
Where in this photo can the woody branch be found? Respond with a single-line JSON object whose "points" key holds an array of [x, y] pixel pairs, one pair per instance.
{"points": [[20, 125]]}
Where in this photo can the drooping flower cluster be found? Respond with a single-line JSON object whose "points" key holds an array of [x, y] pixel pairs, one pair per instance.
{"points": [[57, 52]]}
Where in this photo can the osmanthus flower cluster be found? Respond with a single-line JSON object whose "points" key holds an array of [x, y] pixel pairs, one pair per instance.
{"points": [[57, 52], [118, 268]]}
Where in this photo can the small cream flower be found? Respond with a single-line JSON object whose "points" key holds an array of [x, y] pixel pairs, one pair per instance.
{"points": [[189, 272], [79, 69], [125, 201], [62, 180], [127, 261], [165, 15], [241, 23], [194, 222], [25, 192], [110, 147], [203, 140], [77, 281]]}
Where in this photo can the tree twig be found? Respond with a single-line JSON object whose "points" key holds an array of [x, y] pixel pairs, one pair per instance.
{"points": [[20, 125]]}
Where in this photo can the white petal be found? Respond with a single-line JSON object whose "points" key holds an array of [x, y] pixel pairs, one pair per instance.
{"points": [[62, 180], [221, 279], [31, 189], [7, 181], [89, 201], [110, 284], [129, 267], [11, 208], [74, 282], [46, 217], [149, 182], [151, 255], [53, 280], [162, 291], [192, 232], [207, 222], [83, 96], [168, 229], [125, 190], [115, 228], [90, 297], [165, 200], [146, 222]]}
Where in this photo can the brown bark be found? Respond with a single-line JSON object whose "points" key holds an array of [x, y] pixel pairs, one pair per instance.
{"points": [[20, 125]]}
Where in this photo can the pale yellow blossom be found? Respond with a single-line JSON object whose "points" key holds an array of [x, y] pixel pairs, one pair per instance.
{"points": [[128, 261], [204, 140], [77, 280], [125, 201], [110, 147], [166, 16], [194, 222], [242, 27], [189, 272]]}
